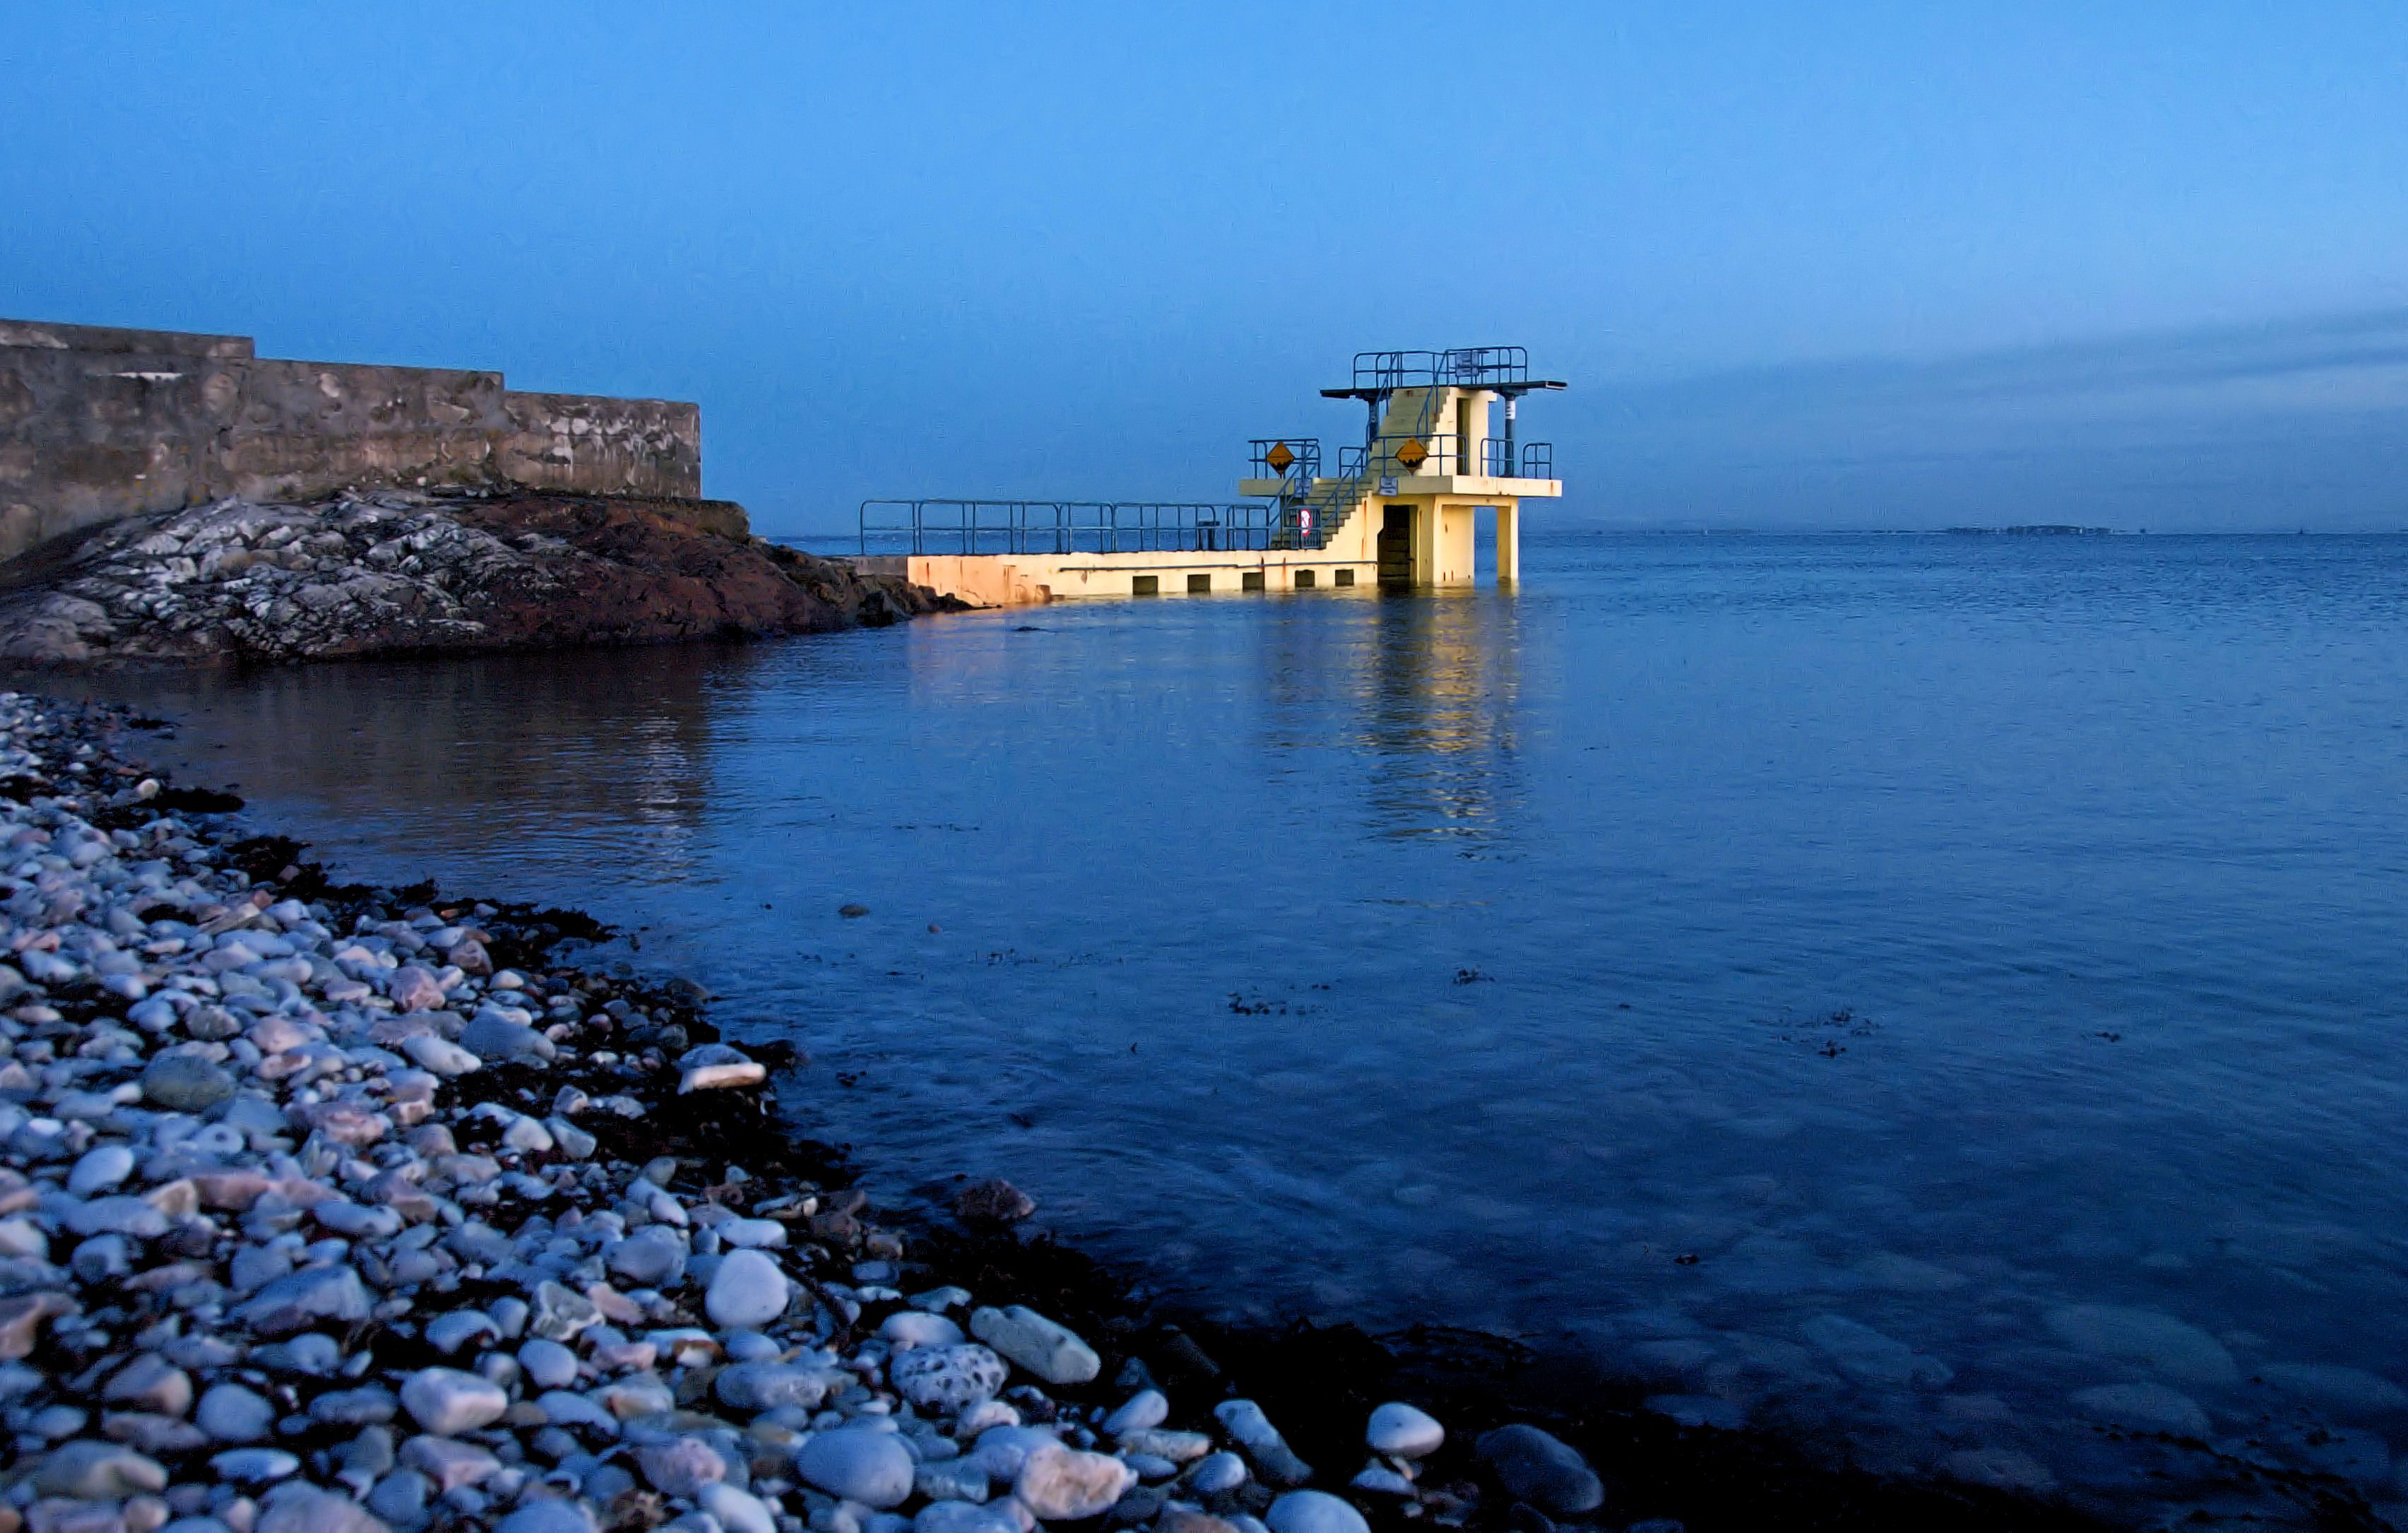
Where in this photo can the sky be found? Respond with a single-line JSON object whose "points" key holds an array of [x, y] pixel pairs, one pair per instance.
{"points": [[1839, 265]]}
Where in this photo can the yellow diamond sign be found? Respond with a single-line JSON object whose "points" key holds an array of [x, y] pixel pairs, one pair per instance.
{"points": [[1279, 457], [1411, 455]]}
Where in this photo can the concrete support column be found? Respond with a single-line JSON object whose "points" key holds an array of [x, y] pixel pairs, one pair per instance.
{"points": [[1509, 543]]}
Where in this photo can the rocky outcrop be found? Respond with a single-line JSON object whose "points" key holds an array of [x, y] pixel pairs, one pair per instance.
{"points": [[398, 572]]}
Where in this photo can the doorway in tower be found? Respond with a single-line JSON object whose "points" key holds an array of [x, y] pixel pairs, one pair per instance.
{"points": [[1397, 545]]}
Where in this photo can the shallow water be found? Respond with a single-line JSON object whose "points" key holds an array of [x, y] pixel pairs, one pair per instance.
{"points": [[1887, 987]]}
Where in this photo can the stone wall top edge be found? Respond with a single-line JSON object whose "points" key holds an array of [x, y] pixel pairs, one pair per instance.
{"points": [[44, 335], [480, 375], [553, 398]]}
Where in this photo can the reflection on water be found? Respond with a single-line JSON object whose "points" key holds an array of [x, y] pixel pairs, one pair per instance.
{"points": [[441, 761], [1894, 988], [1438, 717]]}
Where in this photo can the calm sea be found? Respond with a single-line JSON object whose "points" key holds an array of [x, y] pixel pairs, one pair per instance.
{"points": [[1946, 995]]}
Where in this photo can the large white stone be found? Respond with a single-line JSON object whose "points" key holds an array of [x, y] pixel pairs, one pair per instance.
{"points": [[1051, 1350], [1403, 1431], [748, 1290]]}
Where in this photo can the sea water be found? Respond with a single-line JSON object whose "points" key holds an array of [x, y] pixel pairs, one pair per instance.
{"points": [[1942, 997]]}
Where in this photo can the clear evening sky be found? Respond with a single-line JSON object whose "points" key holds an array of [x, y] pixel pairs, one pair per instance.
{"points": [[1863, 266]]}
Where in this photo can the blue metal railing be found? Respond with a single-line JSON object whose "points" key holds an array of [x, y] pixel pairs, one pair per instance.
{"points": [[1067, 526], [1303, 458], [1465, 366]]}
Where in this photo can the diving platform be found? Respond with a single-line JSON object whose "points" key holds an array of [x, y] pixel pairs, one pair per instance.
{"points": [[1399, 510]]}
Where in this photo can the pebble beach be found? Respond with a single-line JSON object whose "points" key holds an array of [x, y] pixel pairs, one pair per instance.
{"points": [[332, 1210]]}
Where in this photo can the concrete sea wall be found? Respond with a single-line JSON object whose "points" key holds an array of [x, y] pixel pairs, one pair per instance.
{"points": [[98, 423]]}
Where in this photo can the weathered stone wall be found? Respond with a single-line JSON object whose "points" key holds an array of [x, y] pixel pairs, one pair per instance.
{"points": [[96, 423]]}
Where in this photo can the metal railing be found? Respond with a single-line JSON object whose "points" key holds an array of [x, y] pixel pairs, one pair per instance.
{"points": [[1303, 458], [1497, 459], [1389, 455], [1466, 367], [1067, 526]]}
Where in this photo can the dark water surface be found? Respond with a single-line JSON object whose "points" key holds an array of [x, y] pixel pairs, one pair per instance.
{"points": [[1950, 994]]}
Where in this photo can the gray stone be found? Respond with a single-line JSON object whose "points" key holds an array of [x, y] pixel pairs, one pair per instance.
{"points": [[748, 1290], [2344, 1390], [911, 1327], [303, 1298], [1869, 1357], [556, 1514], [859, 1465], [93, 1471], [1142, 1411], [231, 1413], [1215, 1473], [306, 1509], [547, 1363], [101, 1169], [1314, 1512], [399, 1496], [680, 1466], [653, 1257], [364, 1407], [2144, 1408], [736, 1511], [1246, 1423], [713, 1067], [441, 1055], [1001, 1451], [1537, 1468], [183, 1083], [1049, 1350], [2145, 1335], [946, 1379], [449, 1332], [560, 1315], [1177, 1447], [448, 1462], [765, 1385], [152, 1384], [120, 1215], [252, 1466], [964, 1517], [951, 1479], [490, 1036], [448, 1402]]}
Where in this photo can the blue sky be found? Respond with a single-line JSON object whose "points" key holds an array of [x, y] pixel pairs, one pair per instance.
{"points": [[1853, 265]]}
